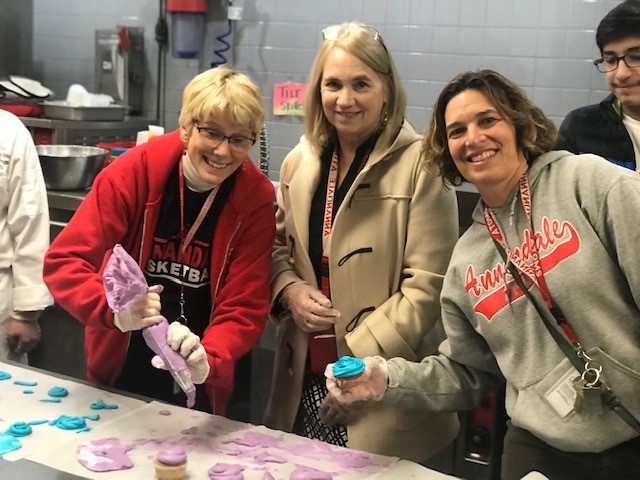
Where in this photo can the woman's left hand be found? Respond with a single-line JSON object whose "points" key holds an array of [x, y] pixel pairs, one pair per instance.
{"points": [[187, 344], [332, 412]]}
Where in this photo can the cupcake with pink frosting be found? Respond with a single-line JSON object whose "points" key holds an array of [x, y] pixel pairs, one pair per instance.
{"points": [[171, 463]]}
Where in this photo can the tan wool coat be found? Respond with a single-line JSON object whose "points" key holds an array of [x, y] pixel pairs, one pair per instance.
{"points": [[409, 221]]}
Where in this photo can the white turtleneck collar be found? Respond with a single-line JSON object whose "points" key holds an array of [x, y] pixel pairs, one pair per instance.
{"points": [[193, 180]]}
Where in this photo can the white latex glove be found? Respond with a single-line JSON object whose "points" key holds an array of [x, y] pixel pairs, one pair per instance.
{"points": [[372, 385], [309, 307], [333, 412], [144, 313], [187, 344]]}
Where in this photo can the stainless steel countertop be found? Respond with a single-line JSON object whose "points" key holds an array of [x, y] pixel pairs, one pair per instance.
{"points": [[70, 200], [137, 123], [65, 200]]}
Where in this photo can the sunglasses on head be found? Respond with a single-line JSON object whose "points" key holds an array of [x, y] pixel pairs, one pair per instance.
{"points": [[333, 32]]}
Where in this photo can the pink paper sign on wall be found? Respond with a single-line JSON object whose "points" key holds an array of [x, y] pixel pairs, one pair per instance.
{"points": [[288, 98]]}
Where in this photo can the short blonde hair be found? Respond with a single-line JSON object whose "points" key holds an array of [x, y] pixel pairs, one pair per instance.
{"points": [[366, 44], [218, 91], [535, 133]]}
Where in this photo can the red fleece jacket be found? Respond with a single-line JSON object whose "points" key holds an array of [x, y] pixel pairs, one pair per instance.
{"points": [[123, 207]]}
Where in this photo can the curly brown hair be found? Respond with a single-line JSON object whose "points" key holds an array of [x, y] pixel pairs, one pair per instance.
{"points": [[535, 133]]}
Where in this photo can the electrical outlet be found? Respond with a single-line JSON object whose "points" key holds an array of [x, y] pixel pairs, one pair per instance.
{"points": [[234, 13]]}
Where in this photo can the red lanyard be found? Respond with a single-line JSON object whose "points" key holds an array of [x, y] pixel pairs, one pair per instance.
{"points": [[185, 241], [533, 272], [327, 224]]}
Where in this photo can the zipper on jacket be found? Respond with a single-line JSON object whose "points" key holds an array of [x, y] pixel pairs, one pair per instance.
{"points": [[351, 326], [344, 259], [224, 264]]}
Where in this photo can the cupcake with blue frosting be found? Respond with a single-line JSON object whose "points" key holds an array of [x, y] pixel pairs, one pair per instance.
{"points": [[348, 371]]}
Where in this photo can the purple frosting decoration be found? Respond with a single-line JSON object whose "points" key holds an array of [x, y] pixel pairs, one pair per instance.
{"points": [[308, 473], [226, 471], [124, 284], [172, 455], [123, 280], [104, 455]]}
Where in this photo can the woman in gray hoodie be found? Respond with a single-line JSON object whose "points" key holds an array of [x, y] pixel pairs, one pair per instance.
{"points": [[567, 225]]}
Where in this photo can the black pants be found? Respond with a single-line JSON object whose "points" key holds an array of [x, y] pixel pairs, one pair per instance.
{"points": [[524, 453]]}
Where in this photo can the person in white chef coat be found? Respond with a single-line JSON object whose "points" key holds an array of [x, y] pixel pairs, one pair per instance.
{"points": [[24, 238]]}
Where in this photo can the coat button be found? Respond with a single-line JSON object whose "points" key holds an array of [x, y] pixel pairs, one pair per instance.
{"points": [[291, 260]]}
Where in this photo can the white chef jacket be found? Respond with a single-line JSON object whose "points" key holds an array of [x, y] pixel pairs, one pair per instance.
{"points": [[24, 224]]}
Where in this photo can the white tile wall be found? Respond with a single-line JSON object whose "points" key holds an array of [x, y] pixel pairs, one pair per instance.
{"points": [[546, 46]]}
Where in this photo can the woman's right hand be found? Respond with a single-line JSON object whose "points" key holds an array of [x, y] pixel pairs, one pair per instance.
{"points": [[144, 313], [309, 307]]}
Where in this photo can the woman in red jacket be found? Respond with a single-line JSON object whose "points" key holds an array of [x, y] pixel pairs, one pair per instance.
{"points": [[197, 214]]}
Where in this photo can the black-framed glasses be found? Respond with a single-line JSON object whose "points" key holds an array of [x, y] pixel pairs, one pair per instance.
{"points": [[333, 32], [610, 62], [236, 142]]}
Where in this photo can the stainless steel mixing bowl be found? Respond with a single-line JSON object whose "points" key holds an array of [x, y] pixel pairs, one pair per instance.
{"points": [[70, 167]]}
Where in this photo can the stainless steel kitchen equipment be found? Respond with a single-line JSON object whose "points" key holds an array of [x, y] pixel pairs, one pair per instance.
{"points": [[70, 167], [120, 65], [60, 109], [46, 131]]}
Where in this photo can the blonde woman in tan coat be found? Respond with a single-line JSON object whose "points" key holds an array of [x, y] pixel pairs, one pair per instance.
{"points": [[364, 236]]}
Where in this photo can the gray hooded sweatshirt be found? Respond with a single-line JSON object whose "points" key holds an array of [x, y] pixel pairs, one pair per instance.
{"points": [[586, 224]]}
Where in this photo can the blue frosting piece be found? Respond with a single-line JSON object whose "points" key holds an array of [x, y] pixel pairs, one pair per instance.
{"points": [[5, 375], [66, 422], [347, 367], [100, 405], [38, 422], [19, 429], [8, 443], [22, 383], [58, 392]]}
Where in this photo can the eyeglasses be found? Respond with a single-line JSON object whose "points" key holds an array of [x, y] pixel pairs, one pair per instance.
{"points": [[237, 143], [333, 32], [610, 63]]}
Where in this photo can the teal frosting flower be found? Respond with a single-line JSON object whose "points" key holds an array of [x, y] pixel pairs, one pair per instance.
{"points": [[347, 367]]}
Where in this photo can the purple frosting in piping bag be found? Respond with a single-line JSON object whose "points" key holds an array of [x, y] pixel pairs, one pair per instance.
{"points": [[124, 284]]}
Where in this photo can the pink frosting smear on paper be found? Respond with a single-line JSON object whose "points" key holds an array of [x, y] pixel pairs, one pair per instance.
{"points": [[104, 455], [226, 471], [124, 284], [308, 473]]}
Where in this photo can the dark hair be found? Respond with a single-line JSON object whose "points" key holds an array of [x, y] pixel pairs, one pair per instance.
{"points": [[535, 133], [621, 22]]}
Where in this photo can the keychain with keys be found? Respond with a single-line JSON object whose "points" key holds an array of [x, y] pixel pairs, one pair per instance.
{"points": [[182, 318], [588, 391]]}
